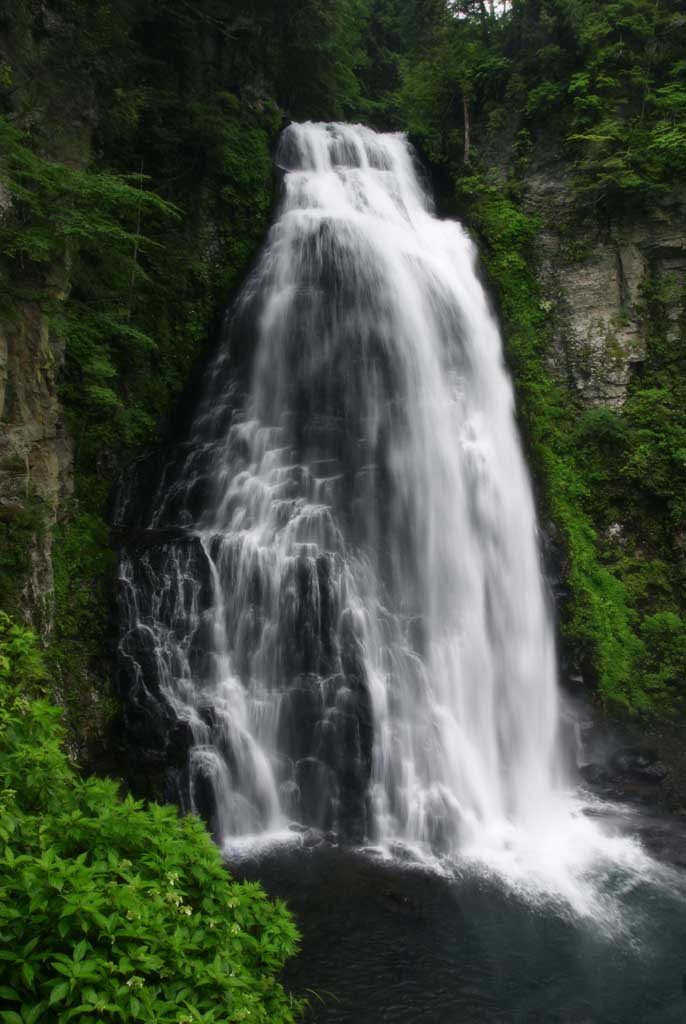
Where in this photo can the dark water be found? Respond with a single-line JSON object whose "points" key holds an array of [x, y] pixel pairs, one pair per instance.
{"points": [[385, 944]]}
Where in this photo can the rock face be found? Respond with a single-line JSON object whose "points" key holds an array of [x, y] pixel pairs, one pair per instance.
{"points": [[594, 274], [35, 450]]}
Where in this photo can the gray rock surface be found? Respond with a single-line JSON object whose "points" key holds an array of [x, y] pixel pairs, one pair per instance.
{"points": [[35, 450], [593, 274]]}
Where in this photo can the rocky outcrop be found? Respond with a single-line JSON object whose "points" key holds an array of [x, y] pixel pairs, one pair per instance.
{"points": [[35, 450], [594, 274]]}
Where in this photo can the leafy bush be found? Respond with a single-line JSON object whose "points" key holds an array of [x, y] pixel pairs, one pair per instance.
{"points": [[664, 663], [109, 910], [56, 208]]}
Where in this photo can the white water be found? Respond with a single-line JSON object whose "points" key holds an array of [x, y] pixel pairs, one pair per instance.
{"points": [[381, 651]]}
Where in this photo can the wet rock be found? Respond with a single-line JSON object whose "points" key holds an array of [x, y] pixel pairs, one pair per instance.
{"points": [[136, 538], [204, 797], [642, 765], [179, 742], [314, 781], [400, 902], [630, 774], [312, 838], [301, 711], [595, 774], [665, 839]]}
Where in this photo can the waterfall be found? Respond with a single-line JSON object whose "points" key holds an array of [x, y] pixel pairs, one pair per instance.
{"points": [[340, 602]]}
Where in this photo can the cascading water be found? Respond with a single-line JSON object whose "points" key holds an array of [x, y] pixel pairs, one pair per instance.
{"points": [[340, 599]]}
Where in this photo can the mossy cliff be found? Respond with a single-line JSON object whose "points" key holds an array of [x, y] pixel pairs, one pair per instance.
{"points": [[136, 187]]}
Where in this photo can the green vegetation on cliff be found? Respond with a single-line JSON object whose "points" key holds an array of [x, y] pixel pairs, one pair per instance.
{"points": [[154, 218], [136, 146]]}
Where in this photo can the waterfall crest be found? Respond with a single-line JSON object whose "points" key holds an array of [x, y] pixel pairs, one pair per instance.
{"points": [[346, 611]]}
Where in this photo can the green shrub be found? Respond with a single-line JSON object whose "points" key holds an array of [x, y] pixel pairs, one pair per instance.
{"points": [[664, 661], [110, 910]]}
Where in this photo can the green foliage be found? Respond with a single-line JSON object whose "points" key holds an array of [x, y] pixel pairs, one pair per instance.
{"points": [[109, 910], [607, 80], [664, 655], [83, 567], [88, 221], [655, 414], [628, 105], [18, 528], [134, 330], [81, 550], [318, 55], [459, 65], [656, 455], [56, 209], [21, 662]]}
